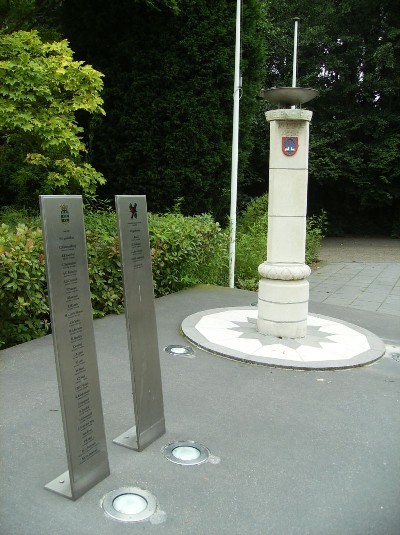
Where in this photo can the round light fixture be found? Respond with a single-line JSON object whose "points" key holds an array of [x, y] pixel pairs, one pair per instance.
{"points": [[181, 351], [129, 504], [186, 452]]}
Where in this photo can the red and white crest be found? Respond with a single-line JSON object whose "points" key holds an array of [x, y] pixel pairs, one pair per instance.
{"points": [[290, 144]]}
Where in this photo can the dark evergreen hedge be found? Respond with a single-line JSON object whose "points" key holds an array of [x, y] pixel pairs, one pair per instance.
{"points": [[169, 96]]}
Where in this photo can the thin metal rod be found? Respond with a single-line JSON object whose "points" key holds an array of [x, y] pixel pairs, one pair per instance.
{"points": [[235, 151], [296, 31]]}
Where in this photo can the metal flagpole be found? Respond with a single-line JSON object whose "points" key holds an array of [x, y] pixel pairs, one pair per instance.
{"points": [[294, 72], [235, 150]]}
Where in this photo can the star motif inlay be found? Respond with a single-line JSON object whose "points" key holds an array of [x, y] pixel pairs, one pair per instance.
{"points": [[249, 329]]}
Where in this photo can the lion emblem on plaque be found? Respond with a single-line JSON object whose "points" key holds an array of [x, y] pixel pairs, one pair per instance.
{"points": [[133, 210]]}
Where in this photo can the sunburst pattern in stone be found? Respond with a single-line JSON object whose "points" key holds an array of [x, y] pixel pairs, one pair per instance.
{"points": [[326, 340]]}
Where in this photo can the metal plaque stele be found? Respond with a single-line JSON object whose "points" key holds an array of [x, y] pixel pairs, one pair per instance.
{"points": [[141, 323], [74, 345]]}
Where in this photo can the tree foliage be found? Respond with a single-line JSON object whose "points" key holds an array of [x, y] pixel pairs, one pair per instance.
{"points": [[350, 51], [168, 95], [17, 15], [185, 250], [168, 68], [42, 88]]}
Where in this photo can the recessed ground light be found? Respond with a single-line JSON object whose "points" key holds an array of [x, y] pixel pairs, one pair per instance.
{"points": [[186, 452], [183, 351], [129, 504]]}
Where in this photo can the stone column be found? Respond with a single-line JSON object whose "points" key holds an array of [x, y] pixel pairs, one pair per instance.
{"points": [[284, 291]]}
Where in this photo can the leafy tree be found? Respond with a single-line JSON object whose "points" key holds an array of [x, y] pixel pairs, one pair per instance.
{"points": [[41, 89], [43, 14], [16, 15], [168, 96], [350, 51]]}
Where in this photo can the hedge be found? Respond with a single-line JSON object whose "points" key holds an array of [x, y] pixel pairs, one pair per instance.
{"points": [[185, 251], [181, 249]]}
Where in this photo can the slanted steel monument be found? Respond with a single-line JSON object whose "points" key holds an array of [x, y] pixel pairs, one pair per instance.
{"points": [[140, 323], [74, 342], [74, 345]]}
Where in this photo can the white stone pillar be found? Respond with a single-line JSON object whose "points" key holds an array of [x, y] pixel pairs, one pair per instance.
{"points": [[283, 291]]}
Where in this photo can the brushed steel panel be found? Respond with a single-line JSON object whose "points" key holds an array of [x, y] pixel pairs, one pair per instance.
{"points": [[140, 320], [74, 343]]}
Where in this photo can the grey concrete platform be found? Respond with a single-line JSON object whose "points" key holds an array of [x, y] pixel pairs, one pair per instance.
{"points": [[301, 452]]}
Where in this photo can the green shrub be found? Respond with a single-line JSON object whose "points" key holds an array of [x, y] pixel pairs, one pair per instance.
{"points": [[185, 251], [251, 241], [255, 211], [316, 230], [14, 216], [104, 263], [24, 313]]}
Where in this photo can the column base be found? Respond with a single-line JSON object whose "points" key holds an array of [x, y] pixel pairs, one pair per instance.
{"points": [[283, 308], [282, 329]]}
